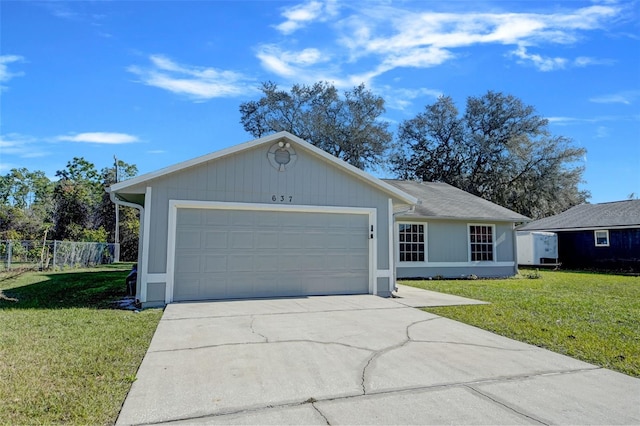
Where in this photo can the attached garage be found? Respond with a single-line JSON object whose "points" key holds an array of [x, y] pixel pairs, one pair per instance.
{"points": [[225, 251], [272, 217]]}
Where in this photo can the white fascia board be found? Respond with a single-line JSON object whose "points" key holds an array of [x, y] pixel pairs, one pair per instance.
{"points": [[416, 218], [266, 140], [591, 228]]}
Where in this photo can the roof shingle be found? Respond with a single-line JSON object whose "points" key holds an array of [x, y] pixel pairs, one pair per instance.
{"points": [[604, 215], [443, 201]]}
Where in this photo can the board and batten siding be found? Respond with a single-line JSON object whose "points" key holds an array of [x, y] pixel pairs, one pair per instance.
{"points": [[448, 251], [248, 177]]}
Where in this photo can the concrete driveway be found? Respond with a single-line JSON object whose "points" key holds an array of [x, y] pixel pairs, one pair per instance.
{"points": [[359, 360]]}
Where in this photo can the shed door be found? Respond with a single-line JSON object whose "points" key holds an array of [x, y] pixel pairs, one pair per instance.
{"points": [[229, 254]]}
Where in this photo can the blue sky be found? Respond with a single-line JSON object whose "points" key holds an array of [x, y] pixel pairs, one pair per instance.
{"points": [[156, 83]]}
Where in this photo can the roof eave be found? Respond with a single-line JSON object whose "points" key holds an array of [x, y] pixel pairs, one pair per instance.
{"points": [[385, 187]]}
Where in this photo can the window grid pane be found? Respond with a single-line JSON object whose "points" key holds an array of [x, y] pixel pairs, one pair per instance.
{"points": [[481, 238], [411, 247]]}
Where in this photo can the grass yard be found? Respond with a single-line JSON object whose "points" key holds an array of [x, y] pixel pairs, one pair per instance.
{"points": [[589, 316], [67, 354]]}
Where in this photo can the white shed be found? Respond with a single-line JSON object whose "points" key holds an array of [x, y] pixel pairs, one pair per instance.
{"points": [[537, 247]]}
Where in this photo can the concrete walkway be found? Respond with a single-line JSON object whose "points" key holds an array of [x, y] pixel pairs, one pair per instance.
{"points": [[359, 360], [419, 298]]}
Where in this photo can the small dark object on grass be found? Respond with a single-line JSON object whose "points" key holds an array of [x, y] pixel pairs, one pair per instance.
{"points": [[131, 280]]}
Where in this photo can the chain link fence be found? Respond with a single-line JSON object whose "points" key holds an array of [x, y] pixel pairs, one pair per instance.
{"points": [[44, 255]]}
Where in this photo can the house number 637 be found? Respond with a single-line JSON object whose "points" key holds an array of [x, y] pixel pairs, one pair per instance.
{"points": [[282, 198]]}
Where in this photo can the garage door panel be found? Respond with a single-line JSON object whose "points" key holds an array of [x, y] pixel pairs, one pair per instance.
{"points": [[187, 263], [240, 263], [216, 239], [190, 217], [244, 254], [188, 239], [265, 263], [217, 217], [240, 217], [215, 263], [241, 239], [266, 240]]}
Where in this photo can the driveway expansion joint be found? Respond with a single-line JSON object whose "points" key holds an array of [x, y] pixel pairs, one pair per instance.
{"points": [[505, 405]]}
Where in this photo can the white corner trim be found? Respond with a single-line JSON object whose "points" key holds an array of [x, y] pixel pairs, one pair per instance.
{"points": [[146, 231], [391, 224]]}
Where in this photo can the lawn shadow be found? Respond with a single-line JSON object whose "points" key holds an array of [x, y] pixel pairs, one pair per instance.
{"points": [[100, 289]]}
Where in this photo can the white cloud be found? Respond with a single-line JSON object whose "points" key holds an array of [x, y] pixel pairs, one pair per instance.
{"points": [[20, 145], [198, 83], [540, 62], [100, 137], [422, 39], [402, 99], [625, 97], [301, 15], [294, 64], [5, 74]]}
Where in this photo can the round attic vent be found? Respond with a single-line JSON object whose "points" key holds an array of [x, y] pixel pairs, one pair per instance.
{"points": [[282, 156]]}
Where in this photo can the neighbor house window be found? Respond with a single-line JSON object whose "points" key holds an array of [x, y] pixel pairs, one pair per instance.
{"points": [[602, 238], [411, 242], [481, 242]]}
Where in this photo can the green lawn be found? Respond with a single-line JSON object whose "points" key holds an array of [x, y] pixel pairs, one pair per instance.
{"points": [[67, 354], [590, 316]]}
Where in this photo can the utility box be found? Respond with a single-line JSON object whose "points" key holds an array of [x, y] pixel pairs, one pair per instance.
{"points": [[537, 248]]}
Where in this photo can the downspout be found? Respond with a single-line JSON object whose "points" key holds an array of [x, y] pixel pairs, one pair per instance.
{"points": [[393, 234], [515, 248], [115, 200]]}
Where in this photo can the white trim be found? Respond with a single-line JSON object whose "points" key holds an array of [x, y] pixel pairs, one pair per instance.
{"points": [[591, 228], [270, 139], [493, 243], [383, 273], [146, 232], [455, 264], [595, 237], [174, 205], [426, 243], [391, 223], [373, 251], [156, 278]]}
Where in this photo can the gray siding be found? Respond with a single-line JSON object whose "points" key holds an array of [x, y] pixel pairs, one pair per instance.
{"points": [[248, 177], [447, 241], [504, 242]]}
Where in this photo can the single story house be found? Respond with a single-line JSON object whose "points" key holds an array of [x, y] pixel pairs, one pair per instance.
{"points": [[277, 217], [451, 233], [600, 236]]}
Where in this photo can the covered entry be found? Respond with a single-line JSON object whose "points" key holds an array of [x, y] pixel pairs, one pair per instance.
{"points": [[229, 251]]}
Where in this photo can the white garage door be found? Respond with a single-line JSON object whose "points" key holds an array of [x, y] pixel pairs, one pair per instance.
{"points": [[228, 254]]}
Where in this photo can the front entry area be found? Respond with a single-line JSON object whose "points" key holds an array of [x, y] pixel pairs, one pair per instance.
{"points": [[254, 252]]}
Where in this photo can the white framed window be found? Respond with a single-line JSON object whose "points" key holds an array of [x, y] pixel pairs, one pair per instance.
{"points": [[412, 242], [601, 238], [481, 243]]}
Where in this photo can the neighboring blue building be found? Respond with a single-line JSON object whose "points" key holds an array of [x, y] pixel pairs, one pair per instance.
{"points": [[596, 236]]}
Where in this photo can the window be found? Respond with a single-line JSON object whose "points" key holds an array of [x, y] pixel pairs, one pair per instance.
{"points": [[411, 242], [481, 243], [602, 238]]}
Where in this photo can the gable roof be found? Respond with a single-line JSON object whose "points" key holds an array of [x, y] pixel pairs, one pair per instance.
{"points": [[591, 216], [270, 139], [439, 200]]}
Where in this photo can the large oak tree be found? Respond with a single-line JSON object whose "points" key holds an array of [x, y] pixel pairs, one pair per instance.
{"points": [[347, 127], [499, 149]]}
